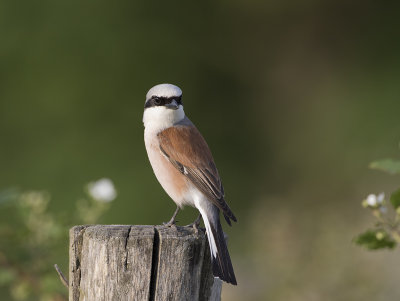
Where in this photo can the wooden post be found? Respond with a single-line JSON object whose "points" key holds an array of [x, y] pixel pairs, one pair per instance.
{"points": [[122, 262]]}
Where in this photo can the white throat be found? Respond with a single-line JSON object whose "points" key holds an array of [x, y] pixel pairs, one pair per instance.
{"points": [[156, 119]]}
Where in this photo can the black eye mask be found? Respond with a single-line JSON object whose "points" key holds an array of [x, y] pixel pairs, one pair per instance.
{"points": [[157, 101]]}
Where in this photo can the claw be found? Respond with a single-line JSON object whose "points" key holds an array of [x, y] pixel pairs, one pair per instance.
{"points": [[170, 224]]}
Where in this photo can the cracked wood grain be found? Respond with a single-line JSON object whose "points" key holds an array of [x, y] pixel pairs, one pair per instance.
{"points": [[122, 262]]}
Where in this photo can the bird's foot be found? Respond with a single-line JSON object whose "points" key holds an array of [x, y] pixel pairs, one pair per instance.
{"points": [[195, 225], [171, 223]]}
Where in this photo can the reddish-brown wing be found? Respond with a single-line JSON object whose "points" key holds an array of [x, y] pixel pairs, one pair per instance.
{"points": [[187, 150]]}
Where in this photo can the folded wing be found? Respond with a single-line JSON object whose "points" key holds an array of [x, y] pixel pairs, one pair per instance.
{"points": [[187, 151]]}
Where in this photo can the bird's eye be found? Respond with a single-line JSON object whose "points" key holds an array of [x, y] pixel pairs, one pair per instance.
{"points": [[157, 101]]}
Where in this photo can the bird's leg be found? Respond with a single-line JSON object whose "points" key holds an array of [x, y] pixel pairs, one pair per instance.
{"points": [[172, 220], [195, 225]]}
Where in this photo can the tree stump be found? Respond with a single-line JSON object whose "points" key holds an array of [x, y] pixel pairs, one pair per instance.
{"points": [[122, 262]]}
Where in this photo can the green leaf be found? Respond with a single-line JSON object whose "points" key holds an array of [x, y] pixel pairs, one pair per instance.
{"points": [[375, 239], [387, 165], [395, 199]]}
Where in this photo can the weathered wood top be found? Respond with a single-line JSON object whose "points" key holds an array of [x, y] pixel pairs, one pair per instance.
{"points": [[123, 262]]}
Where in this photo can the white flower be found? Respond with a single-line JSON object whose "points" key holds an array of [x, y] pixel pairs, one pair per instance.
{"points": [[102, 190], [373, 200]]}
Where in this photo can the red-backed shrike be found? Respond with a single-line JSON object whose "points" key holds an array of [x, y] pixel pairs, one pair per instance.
{"points": [[185, 168]]}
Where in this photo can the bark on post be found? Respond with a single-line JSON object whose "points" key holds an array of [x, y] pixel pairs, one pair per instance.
{"points": [[122, 262]]}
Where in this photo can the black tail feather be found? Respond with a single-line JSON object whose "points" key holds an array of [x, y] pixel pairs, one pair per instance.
{"points": [[222, 264]]}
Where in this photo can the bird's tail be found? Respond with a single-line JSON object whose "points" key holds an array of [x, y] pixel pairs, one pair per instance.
{"points": [[221, 261]]}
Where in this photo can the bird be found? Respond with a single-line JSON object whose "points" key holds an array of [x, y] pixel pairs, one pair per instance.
{"points": [[184, 166]]}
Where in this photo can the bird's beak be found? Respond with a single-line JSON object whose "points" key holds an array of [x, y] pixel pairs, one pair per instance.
{"points": [[173, 105]]}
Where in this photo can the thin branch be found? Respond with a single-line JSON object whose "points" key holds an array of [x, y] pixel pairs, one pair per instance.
{"points": [[63, 279]]}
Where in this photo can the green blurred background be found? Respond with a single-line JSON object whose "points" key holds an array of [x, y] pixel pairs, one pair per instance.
{"points": [[295, 98]]}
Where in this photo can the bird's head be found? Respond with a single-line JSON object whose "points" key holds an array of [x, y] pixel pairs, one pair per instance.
{"points": [[163, 107]]}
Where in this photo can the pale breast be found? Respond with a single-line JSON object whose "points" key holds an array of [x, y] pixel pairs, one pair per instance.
{"points": [[174, 183]]}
